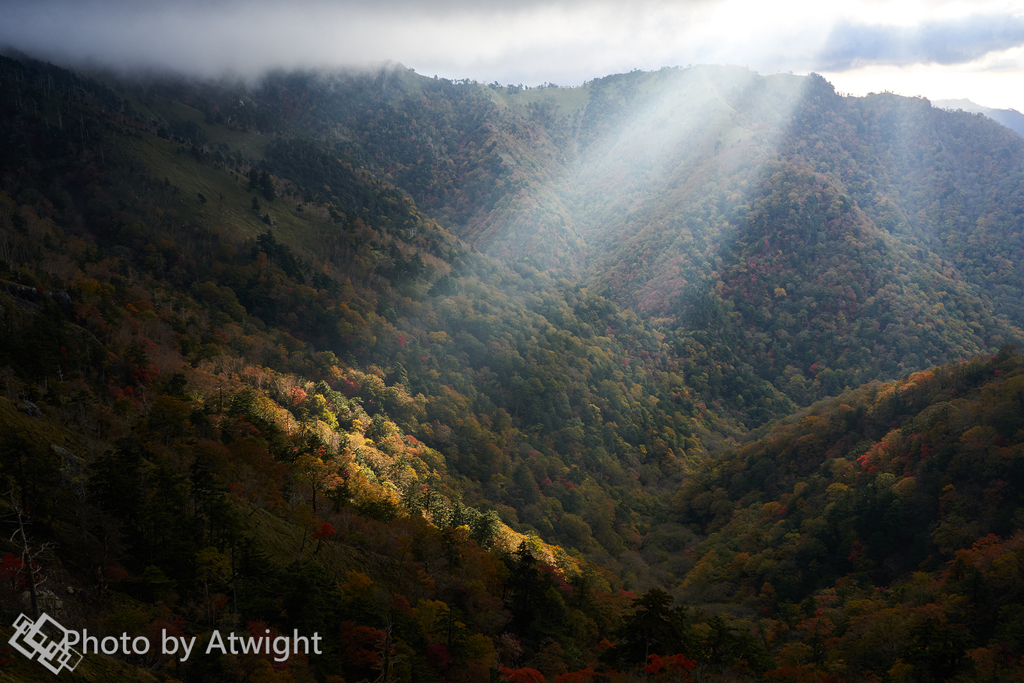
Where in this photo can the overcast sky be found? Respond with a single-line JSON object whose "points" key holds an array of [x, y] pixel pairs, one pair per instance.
{"points": [[933, 48]]}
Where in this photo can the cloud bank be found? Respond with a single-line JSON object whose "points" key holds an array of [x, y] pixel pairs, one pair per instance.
{"points": [[947, 42], [246, 38], [532, 41], [528, 41]]}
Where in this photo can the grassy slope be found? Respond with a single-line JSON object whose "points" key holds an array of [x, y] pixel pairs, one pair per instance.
{"points": [[229, 199]]}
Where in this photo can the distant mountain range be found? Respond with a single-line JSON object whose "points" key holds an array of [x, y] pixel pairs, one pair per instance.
{"points": [[1011, 118]]}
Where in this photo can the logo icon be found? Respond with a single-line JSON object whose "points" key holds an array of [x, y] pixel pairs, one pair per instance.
{"points": [[46, 638]]}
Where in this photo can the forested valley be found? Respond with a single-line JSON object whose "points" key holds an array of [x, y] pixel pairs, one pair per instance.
{"points": [[682, 375]]}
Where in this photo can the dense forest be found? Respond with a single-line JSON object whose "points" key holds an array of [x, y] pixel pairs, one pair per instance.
{"points": [[684, 375]]}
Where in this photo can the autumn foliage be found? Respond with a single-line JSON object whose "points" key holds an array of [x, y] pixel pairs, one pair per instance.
{"points": [[369, 410]]}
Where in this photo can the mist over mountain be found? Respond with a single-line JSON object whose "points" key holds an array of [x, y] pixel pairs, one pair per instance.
{"points": [[693, 373], [715, 194]]}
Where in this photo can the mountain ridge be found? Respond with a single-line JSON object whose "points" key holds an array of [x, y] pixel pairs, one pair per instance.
{"points": [[621, 233], [1011, 118], [260, 372]]}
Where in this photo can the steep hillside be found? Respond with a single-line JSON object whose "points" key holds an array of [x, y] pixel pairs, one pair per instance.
{"points": [[883, 227], [458, 375], [233, 398], [879, 532]]}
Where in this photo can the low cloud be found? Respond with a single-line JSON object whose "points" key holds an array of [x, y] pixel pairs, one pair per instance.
{"points": [[512, 41]]}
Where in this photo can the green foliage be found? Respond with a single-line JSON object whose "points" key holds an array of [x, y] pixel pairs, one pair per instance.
{"points": [[201, 396], [850, 494]]}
